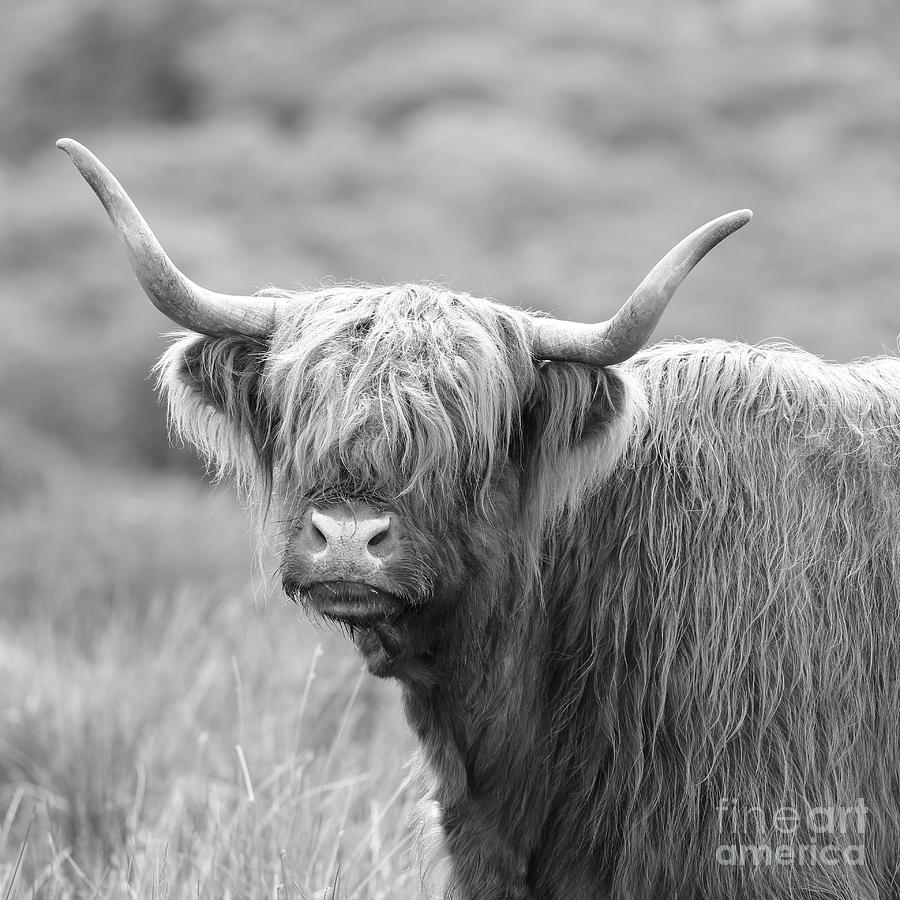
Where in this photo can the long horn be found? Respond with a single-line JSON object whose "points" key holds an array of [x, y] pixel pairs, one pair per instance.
{"points": [[170, 291], [620, 337]]}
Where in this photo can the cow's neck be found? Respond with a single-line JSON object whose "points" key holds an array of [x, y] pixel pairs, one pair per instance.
{"points": [[489, 718], [460, 703]]}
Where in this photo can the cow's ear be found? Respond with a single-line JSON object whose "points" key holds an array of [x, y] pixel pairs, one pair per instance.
{"points": [[609, 407], [573, 404], [575, 429], [215, 394]]}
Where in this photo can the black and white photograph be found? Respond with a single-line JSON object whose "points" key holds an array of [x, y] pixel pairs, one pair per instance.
{"points": [[450, 452]]}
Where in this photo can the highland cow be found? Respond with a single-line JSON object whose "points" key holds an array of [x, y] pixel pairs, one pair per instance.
{"points": [[644, 604]]}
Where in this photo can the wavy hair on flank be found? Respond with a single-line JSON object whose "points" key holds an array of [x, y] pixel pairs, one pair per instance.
{"points": [[409, 393], [745, 593]]}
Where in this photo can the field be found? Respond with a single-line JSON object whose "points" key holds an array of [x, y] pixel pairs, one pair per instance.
{"points": [[170, 727]]}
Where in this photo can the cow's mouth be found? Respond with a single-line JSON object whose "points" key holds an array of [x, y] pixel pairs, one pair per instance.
{"points": [[353, 603]]}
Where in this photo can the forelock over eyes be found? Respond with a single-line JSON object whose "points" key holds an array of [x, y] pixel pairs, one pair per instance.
{"points": [[408, 390]]}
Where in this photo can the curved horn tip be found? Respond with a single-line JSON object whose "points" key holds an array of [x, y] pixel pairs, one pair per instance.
{"points": [[739, 217], [70, 146], [84, 160]]}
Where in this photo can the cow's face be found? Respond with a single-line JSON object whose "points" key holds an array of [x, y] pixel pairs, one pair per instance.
{"points": [[414, 442], [410, 444]]}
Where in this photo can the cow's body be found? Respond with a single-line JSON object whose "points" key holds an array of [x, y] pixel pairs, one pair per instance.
{"points": [[646, 616]]}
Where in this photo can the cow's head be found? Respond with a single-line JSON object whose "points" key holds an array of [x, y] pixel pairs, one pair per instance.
{"points": [[413, 442]]}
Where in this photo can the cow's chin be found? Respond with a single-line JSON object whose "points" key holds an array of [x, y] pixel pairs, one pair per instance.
{"points": [[380, 623], [383, 647]]}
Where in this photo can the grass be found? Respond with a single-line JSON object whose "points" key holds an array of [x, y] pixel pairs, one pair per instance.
{"points": [[165, 734]]}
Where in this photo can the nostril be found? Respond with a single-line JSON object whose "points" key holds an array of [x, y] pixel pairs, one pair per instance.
{"points": [[379, 543], [315, 537]]}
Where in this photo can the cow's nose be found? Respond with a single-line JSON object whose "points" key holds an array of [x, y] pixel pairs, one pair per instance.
{"points": [[355, 536]]}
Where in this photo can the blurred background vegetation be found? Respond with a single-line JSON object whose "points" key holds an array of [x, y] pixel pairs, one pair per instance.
{"points": [[543, 154]]}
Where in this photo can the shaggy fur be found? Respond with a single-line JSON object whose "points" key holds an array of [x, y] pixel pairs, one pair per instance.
{"points": [[653, 604]]}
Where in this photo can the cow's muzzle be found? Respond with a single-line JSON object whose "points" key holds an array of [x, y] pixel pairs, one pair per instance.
{"points": [[349, 541], [339, 559]]}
